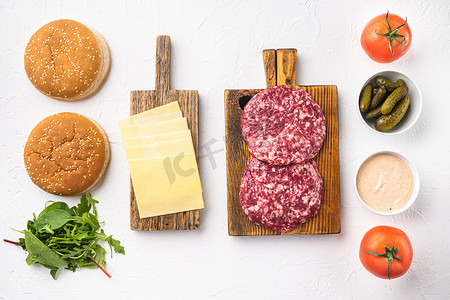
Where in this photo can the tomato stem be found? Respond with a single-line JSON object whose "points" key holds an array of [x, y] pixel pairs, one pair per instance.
{"points": [[390, 253], [392, 34]]}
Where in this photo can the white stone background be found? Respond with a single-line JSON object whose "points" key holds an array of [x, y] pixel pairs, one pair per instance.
{"points": [[217, 45]]}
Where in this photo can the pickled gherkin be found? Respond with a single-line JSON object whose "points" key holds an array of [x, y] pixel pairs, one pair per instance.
{"points": [[366, 96], [386, 122], [389, 85], [397, 95], [374, 113], [378, 97], [388, 102], [374, 91]]}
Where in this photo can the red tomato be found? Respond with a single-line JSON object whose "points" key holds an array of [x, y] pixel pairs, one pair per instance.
{"points": [[386, 38], [386, 252]]}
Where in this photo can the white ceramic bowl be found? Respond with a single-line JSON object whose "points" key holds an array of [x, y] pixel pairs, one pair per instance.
{"points": [[415, 107], [416, 184]]}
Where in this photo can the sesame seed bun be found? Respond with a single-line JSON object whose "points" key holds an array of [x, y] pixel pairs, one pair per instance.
{"points": [[66, 60], [66, 154]]}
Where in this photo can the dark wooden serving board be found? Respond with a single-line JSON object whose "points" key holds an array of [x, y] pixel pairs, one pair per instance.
{"points": [[144, 100], [280, 68]]}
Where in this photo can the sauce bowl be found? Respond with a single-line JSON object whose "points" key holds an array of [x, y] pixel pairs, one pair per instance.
{"points": [[415, 192]]}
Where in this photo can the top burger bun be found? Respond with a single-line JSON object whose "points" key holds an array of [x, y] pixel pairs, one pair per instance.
{"points": [[66, 60]]}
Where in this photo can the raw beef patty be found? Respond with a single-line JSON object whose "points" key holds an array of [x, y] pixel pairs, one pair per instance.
{"points": [[280, 197], [283, 125]]}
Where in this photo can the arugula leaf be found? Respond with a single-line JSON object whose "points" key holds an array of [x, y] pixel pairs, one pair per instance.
{"points": [[113, 243], [48, 229], [83, 206], [91, 220], [67, 237], [32, 225], [92, 203], [116, 245], [101, 235]]}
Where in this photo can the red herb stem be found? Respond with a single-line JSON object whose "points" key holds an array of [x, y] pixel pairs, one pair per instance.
{"points": [[100, 267], [12, 242]]}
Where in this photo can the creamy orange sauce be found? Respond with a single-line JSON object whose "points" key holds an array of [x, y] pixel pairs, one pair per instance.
{"points": [[385, 182]]}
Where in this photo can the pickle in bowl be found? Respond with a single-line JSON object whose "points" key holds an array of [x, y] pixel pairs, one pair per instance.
{"points": [[390, 102]]}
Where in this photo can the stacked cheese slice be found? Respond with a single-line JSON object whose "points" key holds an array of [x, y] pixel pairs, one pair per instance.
{"points": [[162, 161]]}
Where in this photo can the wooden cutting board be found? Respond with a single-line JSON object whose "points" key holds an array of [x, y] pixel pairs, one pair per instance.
{"points": [[144, 100], [280, 69]]}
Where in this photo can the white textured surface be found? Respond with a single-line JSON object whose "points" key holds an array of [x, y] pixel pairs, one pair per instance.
{"points": [[215, 46]]}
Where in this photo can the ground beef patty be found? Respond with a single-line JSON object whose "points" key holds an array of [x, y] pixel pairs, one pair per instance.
{"points": [[283, 125], [280, 197]]}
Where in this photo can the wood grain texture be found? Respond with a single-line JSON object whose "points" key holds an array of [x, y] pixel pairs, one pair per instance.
{"points": [[144, 100], [328, 219], [270, 67], [286, 66]]}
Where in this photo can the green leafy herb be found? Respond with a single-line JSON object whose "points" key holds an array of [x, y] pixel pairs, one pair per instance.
{"points": [[55, 205], [39, 252], [67, 237], [53, 219]]}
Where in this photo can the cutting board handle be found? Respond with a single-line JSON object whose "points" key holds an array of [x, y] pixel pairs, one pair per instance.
{"points": [[280, 67], [286, 66], [270, 67], [162, 68]]}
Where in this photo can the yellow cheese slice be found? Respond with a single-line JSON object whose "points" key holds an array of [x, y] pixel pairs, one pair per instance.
{"points": [[157, 118], [166, 185], [156, 149], [153, 128], [145, 140], [164, 109]]}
